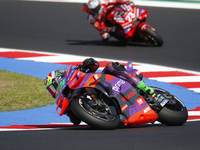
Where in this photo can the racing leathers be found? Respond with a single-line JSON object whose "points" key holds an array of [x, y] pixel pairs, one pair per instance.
{"points": [[118, 70]]}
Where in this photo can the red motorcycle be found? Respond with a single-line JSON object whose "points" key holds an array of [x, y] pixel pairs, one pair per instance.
{"points": [[130, 24]]}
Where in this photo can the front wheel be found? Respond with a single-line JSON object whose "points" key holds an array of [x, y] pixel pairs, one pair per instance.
{"points": [[99, 118], [174, 113], [152, 37]]}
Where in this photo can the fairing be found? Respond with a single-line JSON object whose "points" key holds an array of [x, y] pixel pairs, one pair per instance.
{"points": [[133, 107]]}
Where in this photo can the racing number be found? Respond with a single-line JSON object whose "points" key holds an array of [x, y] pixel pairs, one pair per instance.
{"points": [[129, 17]]}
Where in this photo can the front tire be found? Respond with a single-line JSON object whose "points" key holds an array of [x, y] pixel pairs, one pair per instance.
{"points": [[153, 37], [99, 120]]}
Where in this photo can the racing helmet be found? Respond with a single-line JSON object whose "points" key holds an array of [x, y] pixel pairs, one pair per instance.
{"points": [[94, 6]]}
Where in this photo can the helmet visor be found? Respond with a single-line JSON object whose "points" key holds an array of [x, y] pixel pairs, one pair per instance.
{"points": [[96, 10]]}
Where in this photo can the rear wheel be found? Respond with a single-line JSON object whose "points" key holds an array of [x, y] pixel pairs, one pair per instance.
{"points": [[152, 37], [99, 118], [174, 113]]}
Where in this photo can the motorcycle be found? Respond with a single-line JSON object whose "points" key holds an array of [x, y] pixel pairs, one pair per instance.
{"points": [[104, 101], [130, 24]]}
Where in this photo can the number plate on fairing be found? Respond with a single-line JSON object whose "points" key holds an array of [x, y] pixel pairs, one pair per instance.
{"points": [[164, 102]]}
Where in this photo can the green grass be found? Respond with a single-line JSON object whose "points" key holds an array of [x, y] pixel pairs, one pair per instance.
{"points": [[20, 92]]}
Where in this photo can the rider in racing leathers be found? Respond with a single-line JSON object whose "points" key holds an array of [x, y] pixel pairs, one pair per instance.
{"points": [[118, 70], [90, 66], [97, 15]]}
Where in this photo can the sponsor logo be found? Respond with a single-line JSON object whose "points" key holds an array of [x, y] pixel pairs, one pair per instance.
{"points": [[159, 98], [117, 85], [124, 107], [129, 95], [127, 30], [137, 72], [147, 109], [164, 102], [141, 11], [96, 76], [140, 101], [127, 26], [119, 19], [62, 83], [130, 65]]}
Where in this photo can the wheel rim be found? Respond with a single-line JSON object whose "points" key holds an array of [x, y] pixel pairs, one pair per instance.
{"points": [[100, 113]]}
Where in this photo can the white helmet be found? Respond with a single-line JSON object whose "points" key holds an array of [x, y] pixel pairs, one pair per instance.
{"points": [[94, 6]]}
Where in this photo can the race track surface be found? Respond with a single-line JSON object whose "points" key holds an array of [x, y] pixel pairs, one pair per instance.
{"points": [[63, 28]]}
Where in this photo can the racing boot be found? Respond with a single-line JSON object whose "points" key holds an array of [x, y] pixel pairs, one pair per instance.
{"points": [[146, 89]]}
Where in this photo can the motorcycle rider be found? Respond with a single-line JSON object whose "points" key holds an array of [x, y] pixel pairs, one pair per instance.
{"points": [[90, 65], [97, 15]]}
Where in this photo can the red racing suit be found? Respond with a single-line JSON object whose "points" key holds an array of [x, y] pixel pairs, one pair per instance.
{"points": [[98, 20]]}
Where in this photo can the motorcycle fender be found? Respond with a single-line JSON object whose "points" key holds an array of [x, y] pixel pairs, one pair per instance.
{"points": [[102, 90], [143, 26]]}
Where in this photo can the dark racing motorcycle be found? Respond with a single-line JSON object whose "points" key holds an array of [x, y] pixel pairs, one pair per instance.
{"points": [[104, 101], [130, 24]]}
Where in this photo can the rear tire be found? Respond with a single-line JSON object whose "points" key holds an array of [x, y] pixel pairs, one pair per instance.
{"points": [[153, 37], [99, 120], [173, 118], [172, 114]]}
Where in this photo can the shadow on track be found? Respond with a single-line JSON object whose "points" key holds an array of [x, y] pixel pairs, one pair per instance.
{"points": [[108, 43]]}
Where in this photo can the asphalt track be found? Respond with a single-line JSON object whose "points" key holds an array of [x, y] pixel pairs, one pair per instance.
{"points": [[63, 28]]}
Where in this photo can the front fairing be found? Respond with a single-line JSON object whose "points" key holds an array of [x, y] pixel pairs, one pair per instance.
{"points": [[75, 79], [71, 79], [143, 13]]}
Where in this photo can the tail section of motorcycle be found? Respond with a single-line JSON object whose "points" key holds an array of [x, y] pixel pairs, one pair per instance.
{"points": [[133, 108], [139, 113]]}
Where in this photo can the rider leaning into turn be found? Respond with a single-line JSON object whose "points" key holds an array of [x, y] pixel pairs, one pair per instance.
{"points": [[90, 66], [97, 15], [116, 69]]}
